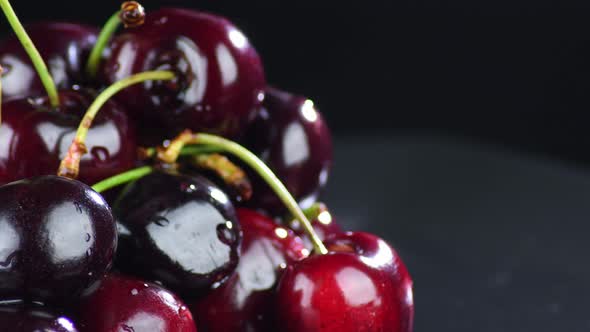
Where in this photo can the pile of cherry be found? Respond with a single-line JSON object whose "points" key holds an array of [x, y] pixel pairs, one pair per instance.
{"points": [[151, 181]]}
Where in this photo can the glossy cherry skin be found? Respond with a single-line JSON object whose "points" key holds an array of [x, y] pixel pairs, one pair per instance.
{"points": [[57, 240], [220, 85], [124, 303], [292, 138], [63, 46], [33, 320], [183, 232], [246, 302], [35, 138], [347, 291]]}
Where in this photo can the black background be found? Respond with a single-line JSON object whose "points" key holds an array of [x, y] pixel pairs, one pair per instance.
{"points": [[461, 138]]}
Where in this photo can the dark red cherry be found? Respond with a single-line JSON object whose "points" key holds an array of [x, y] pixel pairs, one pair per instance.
{"points": [[291, 137], [17, 319], [35, 138], [183, 232], [57, 240], [361, 285], [63, 46], [246, 302], [220, 85], [125, 304]]}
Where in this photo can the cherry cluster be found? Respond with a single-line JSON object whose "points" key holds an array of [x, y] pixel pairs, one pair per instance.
{"points": [[150, 180]]}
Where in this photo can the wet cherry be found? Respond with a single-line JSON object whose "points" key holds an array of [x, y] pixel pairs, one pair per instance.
{"points": [[20, 319], [246, 302], [183, 233], [35, 138], [220, 83], [127, 304], [57, 240], [63, 46], [361, 285], [291, 137]]}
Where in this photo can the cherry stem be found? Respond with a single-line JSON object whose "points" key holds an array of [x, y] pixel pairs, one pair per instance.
{"points": [[70, 165], [231, 174], [172, 152], [131, 14], [123, 178], [190, 150], [315, 210], [32, 51]]}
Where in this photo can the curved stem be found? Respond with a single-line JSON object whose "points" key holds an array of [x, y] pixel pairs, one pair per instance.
{"points": [[131, 14], [103, 38], [32, 51], [70, 165], [170, 155], [122, 178]]}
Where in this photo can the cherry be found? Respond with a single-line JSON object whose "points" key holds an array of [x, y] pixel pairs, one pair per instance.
{"points": [[361, 285], [126, 304], [220, 80], [35, 137], [246, 301], [57, 240], [33, 320], [63, 46], [291, 137], [183, 232]]}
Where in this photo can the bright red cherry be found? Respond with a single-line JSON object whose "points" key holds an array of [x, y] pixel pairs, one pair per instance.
{"points": [[63, 46], [17, 319], [125, 304], [246, 302], [292, 138], [183, 232], [35, 138], [220, 85], [57, 240], [362, 286]]}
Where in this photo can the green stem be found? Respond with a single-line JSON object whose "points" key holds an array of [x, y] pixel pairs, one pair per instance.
{"points": [[122, 178], [32, 51], [261, 169], [70, 165], [103, 38]]}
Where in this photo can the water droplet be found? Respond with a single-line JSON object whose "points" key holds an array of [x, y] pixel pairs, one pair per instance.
{"points": [[226, 235], [8, 262], [89, 252], [100, 153], [160, 221], [78, 207], [88, 237], [127, 328], [134, 292]]}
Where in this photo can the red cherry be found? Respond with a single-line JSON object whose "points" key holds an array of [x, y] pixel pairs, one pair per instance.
{"points": [[220, 84], [246, 301], [292, 138], [18, 319], [361, 287], [35, 138], [63, 46], [126, 304]]}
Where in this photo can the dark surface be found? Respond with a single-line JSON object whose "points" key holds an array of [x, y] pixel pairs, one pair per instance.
{"points": [[494, 241]]}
